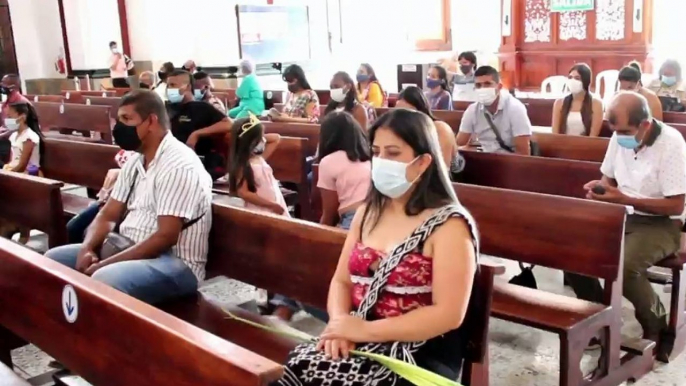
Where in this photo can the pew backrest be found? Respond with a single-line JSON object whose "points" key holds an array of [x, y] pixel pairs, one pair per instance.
{"points": [[560, 177], [573, 147], [108, 327], [45, 98], [33, 202], [73, 96], [53, 116], [297, 130], [288, 160], [78, 163], [112, 102], [569, 234]]}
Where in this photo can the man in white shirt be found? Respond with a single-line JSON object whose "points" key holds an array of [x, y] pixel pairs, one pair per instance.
{"points": [[120, 65], [498, 120], [164, 196], [644, 167]]}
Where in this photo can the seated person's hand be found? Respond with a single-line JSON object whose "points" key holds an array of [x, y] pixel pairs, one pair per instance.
{"points": [[589, 185], [276, 208], [192, 140], [336, 348], [85, 259]]}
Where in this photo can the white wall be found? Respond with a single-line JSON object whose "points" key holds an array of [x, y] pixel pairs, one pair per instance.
{"points": [[91, 26], [172, 30], [37, 37]]}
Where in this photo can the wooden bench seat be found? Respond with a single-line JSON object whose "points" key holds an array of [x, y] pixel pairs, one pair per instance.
{"points": [[313, 253], [544, 310], [74, 204], [115, 339]]}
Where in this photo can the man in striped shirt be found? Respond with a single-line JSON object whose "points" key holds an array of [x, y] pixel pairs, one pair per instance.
{"points": [[164, 196]]}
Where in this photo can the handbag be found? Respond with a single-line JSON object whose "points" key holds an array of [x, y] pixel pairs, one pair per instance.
{"points": [[533, 145], [116, 243]]}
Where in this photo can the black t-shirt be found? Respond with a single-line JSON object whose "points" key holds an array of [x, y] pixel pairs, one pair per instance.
{"points": [[192, 116]]}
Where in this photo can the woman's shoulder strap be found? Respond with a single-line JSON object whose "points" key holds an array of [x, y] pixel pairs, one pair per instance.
{"points": [[447, 212]]}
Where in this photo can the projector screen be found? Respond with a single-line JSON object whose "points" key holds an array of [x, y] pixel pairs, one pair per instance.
{"points": [[273, 33]]}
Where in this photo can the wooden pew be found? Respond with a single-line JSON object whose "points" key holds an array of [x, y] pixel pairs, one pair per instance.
{"points": [[298, 130], [112, 102], [315, 252], [35, 203], [147, 345], [119, 92], [55, 116], [77, 163], [573, 147], [73, 96], [532, 228], [566, 178], [452, 118], [45, 98]]}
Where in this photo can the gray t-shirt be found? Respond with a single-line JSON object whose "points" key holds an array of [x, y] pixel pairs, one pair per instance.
{"points": [[510, 119]]}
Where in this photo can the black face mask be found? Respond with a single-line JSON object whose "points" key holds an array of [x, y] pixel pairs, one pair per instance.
{"points": [[293, 87], [162, 75], [5, 90], [126, 137]]}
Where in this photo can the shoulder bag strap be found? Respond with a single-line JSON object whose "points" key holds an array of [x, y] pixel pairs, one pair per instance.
{"points": [[498, 138], [128, 198]]}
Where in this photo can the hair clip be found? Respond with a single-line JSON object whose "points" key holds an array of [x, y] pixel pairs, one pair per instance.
{"points": [[254, 121]]}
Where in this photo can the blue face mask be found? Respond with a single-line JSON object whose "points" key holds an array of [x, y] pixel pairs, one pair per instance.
{"points": [[668, 80], [627, 141], [362, 77], [174, 95], [433, 83], [198, 95]]}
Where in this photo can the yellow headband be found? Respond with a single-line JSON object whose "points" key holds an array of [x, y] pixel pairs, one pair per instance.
{"points": [[254, 121]]}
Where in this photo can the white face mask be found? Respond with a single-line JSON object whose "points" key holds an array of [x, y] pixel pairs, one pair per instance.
{"points": [[11, 124], [575, 86], [115, 50], [338, 94], [389, 177], [486, 96]]}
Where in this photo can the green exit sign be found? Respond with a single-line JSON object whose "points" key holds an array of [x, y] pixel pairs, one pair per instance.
{"points": [[571, 5]]}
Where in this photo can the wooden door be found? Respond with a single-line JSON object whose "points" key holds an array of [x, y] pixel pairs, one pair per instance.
{"points": [[8, 58]]}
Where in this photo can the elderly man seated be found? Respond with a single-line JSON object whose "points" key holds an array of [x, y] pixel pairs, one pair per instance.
{"points": [[249, 92]]}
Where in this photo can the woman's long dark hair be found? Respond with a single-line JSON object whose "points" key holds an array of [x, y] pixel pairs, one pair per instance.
{"points": [[442, 75], [586, 105], [340, 131], [372, 76], [433, 189], [296, 72], [241, 150], [350, 98], [631, 73], [415, 97], [27, 110]]}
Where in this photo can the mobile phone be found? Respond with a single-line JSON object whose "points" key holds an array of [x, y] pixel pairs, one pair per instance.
{"points": [[598, 189]]}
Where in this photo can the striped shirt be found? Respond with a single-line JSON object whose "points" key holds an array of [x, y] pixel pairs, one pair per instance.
{"points": [[175, 184]]}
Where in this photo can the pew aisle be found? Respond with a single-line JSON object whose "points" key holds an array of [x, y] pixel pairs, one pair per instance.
{"points": [[519, 355]]}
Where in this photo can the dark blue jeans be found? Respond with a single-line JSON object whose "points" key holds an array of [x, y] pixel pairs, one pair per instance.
{"points": [[76, 227]]}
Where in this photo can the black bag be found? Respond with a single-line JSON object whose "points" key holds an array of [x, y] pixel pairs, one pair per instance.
{"points": [[535, 149], [526, 278]]}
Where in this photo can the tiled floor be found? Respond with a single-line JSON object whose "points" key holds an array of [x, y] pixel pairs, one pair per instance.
{"points": [[519, 356]]}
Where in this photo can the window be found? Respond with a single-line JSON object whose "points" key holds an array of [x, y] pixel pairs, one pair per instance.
{"points": [[431, 30], [405, 25]]}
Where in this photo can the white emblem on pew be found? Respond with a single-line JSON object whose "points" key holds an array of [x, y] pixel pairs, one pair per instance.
{"points": [[35, 98], [62, 108], [104, 93], [67, 95], [70, 304], [88, 102]]}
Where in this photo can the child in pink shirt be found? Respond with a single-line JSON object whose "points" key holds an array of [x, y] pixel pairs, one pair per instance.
{"points": [[344, 168], [250, 177]]}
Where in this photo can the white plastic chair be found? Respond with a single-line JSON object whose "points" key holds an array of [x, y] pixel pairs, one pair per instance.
{"points": [[607, 84], [557, 85]]}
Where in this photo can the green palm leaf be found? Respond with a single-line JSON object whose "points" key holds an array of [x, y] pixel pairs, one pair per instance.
{"points": [[412, 373]]}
